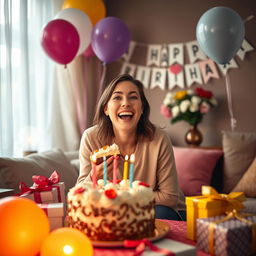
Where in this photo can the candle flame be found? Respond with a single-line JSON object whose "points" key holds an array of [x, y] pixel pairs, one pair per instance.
{"points": [[132, 158], [126, 158], [94, 158]]}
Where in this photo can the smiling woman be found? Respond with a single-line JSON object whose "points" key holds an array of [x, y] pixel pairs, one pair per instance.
{"points": [[122, 117]]}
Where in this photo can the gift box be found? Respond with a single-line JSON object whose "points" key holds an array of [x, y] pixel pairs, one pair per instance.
{"points": [[44, 197], [227, 235], [210, 204], [45, 190], [55, 214]]}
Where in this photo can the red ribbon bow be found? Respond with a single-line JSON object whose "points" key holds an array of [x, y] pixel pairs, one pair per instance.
{"points": [[41, 183], [141, 246]]}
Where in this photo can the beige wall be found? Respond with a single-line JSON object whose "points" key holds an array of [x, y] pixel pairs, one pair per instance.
{"points": [[174, 21]]}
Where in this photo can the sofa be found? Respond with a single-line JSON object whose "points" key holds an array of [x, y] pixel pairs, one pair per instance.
{"points": [[231, 167]]}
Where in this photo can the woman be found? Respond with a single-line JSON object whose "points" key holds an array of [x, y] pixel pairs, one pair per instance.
{"points": [[122, 117]]}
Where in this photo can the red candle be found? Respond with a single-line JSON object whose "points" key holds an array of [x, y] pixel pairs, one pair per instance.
{"points": [[94, 181], [115, 169]]}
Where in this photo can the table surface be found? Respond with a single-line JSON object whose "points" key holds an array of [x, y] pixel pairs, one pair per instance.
{"points": [[177, 232]]}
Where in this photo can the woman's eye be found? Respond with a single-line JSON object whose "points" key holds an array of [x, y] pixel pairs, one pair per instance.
{"points": [[134, 97], [117, 98]]}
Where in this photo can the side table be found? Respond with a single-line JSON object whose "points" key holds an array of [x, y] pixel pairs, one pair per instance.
{"points": [[6, 192]]}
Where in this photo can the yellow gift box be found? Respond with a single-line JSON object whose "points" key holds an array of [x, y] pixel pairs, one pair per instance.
{"points": [[210, 204]]}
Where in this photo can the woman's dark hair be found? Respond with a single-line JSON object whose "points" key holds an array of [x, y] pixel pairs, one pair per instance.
{"points": [[145, 129]]}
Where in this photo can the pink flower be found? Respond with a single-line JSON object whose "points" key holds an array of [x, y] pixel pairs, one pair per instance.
{"points": [[204, 108], [165, 111]]}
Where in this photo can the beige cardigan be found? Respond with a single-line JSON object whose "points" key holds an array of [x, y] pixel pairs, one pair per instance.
{"points": [[154, 165]]}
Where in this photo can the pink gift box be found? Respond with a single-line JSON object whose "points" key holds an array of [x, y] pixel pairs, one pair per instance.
{"points": [[55, 214]]}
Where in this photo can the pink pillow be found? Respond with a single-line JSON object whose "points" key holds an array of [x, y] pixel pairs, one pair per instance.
{"points": [[195, 167]]}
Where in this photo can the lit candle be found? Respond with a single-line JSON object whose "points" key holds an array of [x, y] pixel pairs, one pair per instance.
{"points": [[131, 170], [105, 170], [94, 181], [125, 176], [115, 169]]}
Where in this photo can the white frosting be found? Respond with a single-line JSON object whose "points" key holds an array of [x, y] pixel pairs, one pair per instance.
{"points": [[107, 151], [130, 204]]}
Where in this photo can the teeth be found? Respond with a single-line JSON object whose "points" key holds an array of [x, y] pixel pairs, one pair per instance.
{"points": [[125, 113]]}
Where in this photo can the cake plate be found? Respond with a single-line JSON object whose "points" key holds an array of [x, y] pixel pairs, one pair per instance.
{"points": [[162, 229]]}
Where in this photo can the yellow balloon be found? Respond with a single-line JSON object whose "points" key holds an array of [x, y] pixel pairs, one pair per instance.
{"points": [[66, 241], [95, 9]]}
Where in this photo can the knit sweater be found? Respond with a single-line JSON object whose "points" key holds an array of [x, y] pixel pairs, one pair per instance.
{"points": [[154, 165]]}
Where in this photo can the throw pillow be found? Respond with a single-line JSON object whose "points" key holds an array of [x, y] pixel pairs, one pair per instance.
{"points": [[247, 182], [239, 151], [15, 170], [195, 167]]}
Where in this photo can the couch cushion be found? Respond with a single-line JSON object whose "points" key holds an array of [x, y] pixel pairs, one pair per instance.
{"points": [[239, 151], [195, 167], [247, 183], [15, 170]]}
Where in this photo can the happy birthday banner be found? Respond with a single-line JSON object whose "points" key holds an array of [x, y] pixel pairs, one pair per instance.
{"points": [[165, 65]]}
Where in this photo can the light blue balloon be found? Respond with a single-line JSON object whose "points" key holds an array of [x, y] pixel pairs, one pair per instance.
{"points": [[220, 33]]}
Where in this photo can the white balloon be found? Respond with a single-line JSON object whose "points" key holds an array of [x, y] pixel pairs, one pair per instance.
{"points": [[81, 22]]}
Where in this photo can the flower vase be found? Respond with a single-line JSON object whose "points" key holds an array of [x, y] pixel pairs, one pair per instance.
{"points": [[193, 137]]}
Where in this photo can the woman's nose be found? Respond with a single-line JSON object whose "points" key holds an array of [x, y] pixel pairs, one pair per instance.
{"points": [[125, 102]]}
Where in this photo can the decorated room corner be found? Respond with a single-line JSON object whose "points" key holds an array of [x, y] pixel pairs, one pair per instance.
{"points": [[196, 63]]}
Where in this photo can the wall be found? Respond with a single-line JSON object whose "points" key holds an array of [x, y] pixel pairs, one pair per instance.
{"points": [[174, 21]]}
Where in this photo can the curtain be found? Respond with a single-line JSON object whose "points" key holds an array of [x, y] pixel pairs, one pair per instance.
{"points": [[26, 76], [74, 101]]}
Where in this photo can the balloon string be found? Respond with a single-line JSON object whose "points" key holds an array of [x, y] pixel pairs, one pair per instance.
{"points": [[102, 80], [230, 107], [249, 18]]}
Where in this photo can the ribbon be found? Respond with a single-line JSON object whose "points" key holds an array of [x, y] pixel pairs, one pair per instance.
{"points": [[234, 199], [230, 215], [41, 183], [141, 246]]}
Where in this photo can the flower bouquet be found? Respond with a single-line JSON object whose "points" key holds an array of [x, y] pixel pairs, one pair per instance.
{"points": [[188, 105]]}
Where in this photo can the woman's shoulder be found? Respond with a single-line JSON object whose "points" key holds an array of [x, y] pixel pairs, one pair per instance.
{"points": [[90, 132], [160, 133]]}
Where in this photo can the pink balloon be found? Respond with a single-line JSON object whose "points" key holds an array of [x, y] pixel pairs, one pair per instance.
{"points": [[88, 53], [60, 41]]}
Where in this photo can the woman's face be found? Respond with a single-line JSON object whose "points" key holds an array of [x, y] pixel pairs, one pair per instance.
{"points": [[124, 107]]}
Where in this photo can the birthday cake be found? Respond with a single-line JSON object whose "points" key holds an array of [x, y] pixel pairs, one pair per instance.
{"points": [[112, 212]]}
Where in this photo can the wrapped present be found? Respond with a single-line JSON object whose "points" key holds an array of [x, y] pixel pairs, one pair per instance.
{"points": [[227, 235], [55, 214], [210, 204], [44, 190], [45, 197]]}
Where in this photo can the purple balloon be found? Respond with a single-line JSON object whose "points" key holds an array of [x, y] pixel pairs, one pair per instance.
{"points": [[110, 39], [60, 40]]}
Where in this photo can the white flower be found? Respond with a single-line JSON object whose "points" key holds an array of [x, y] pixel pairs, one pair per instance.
{"points": [[175, 111], [169, 99], [194, 107], [214, 101], [190, 92], [184, 105], [195, 100]]}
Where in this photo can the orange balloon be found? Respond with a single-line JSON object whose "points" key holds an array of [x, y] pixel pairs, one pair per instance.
{"points": [[24, 226], [66, 241], [95, 9]]}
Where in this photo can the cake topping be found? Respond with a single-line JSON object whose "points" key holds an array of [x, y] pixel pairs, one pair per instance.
{"points": [[144, 184], [79, 190], [111, 193], [106, 151]]}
